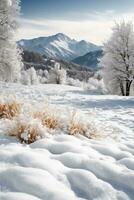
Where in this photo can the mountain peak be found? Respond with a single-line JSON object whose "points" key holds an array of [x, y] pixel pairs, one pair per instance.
{"points": [[58, 46], [62, 36]]}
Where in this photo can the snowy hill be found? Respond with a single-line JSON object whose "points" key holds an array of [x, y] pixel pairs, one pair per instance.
{"points": [[90, 60], [65, 167], [58, 46]]}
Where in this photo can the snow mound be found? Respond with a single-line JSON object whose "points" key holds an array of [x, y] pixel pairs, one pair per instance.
{"points": [[64, 167]]}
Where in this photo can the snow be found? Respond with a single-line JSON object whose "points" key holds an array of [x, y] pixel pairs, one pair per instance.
{"points": [[65, 167]]}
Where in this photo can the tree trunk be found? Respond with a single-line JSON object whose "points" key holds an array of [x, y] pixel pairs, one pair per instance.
{"points": [[122, 89], [128, 85]]}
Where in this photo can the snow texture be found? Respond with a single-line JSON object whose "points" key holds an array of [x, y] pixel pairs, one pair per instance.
{"points": [[63, 167]]}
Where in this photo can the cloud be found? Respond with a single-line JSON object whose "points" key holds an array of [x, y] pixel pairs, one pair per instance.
{"points": [[96, 29]]}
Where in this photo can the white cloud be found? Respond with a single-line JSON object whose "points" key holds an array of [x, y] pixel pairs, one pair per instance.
{"points": [[96, 29]]}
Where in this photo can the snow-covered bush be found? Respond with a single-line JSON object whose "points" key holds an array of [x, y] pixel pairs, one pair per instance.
{"points": [[95, 85], [29, 77], [48, 119], [10, 59], [27, 131], [77, 126], [33, 76], [74, 82], [118, 60], [57, 75], [42, 76], [51, 117]]}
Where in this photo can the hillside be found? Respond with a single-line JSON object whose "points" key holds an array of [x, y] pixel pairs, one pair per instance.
{"points": [[90, 60], [36, 60]]}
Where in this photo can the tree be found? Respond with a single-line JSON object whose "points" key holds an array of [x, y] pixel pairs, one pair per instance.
{"points": [[57, 75], [10, 59], [118, 59], [29, 77]]}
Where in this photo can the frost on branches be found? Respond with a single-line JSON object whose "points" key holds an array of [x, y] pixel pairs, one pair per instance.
{"points": [[118, 60], [10, 59], [57, 75], [29, 77]]}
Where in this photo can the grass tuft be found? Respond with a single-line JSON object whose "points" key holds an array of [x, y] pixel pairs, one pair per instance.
{"points": [[10, 109], [27, 132]]}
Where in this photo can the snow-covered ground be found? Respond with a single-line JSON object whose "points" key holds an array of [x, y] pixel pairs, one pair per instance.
{"points": [[63, 167]]}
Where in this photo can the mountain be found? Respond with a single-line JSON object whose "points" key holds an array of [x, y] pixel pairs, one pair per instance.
{"points": [[58, 46], [90, 59]]}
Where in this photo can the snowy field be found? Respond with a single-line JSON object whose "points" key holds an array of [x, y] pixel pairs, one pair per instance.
{"points": [[63, 167]]}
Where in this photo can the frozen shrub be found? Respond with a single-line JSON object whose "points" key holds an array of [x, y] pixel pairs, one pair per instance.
{"points": [[57, 75], [48, 119], [95, 85], [25, 78], [27, 132], [75, 126], [29, 77], [74, 82]]}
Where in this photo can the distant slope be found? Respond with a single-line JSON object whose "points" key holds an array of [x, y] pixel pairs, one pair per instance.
{"points": [[90, 60], [32, 59], [58, 46]]}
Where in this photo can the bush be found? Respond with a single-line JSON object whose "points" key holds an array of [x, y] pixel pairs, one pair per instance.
{"points": [[27, 132], [95, 85], [48, 119], [75, 127], [9, 109], [57, 75], [29, 77]]}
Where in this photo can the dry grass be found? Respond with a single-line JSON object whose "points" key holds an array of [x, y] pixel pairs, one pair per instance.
{"points": [[87, 129], [93, 133], [76, 127], [48, 120], [10, 110], [52, 120], [26, 133]]}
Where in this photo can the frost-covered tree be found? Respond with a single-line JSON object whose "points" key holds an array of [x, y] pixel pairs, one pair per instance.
{"points": [[29, 77], [57, 75], [118, 59], [10, 59], [33, 76]]}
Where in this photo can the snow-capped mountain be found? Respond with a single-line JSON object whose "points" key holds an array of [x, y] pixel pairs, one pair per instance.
{"points": [[58, 46], [90, 59]]}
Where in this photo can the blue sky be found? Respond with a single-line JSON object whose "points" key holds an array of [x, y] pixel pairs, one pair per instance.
{"points": [[73, 17]]}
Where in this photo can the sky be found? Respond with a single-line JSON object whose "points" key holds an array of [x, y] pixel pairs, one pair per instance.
{"points": [[91, 20]]}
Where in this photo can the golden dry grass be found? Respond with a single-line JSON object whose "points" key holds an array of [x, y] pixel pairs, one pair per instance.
{"points": [[87, 129], [10, 110], [47, 119], [74, 126], [26, 133]]}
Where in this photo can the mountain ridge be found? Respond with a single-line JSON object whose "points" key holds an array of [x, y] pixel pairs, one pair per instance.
{"points": [[58, 46], [91, 59]]}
